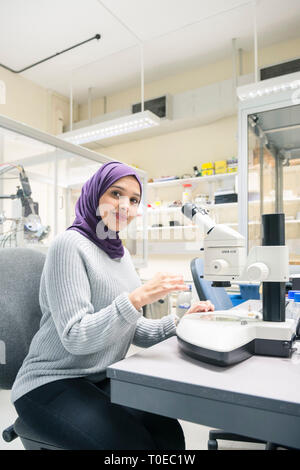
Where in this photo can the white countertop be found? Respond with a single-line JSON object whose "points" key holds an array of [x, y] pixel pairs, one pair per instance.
{"points": [[166, 366]]}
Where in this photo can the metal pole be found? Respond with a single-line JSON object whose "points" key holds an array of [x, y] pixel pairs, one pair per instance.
{"points": [[234, 72], [261, 174], [243, 142], [255, 41], [142, 77], [273, 292], [55, 195], [90, 105], [71, 103], [145, 220], [241, 68], [278, 183], [97, 36]]}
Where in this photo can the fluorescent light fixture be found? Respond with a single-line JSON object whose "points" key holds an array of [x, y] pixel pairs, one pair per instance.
{"points": [[107, 129], [272, 86]]}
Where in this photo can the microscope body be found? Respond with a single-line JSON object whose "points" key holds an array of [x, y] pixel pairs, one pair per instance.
{"points": [[227, 337]]}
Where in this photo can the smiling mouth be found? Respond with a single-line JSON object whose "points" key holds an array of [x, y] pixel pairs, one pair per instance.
{"points": [[120, 217]]}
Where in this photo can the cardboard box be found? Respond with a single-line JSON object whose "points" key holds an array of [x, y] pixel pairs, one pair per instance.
{"points": [[208, 169]]}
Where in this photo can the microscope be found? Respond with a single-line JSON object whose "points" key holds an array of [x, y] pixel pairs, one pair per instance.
{"points": [[26, 219], [228, 337]]}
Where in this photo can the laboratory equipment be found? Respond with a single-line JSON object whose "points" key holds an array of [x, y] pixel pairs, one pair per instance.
{"points": [[196, 171], [294, 311], [57, 170], [187, 193], [269, 163], [26, 222], [183, 302], [228, 337]]}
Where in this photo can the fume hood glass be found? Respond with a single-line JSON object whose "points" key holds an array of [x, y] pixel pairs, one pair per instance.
{"points": [[56, 172], [270, 170]]}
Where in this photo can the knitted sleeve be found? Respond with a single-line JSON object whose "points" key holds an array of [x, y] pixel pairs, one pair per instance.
{"points": [[149, 332], [80, 328]]}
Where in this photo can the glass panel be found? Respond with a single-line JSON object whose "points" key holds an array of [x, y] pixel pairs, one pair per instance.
{"points": [[55, 178], [169, 231], [25, 218], [39, 187], [291, 208], [72, 172], [261, 184], [274, 173]]}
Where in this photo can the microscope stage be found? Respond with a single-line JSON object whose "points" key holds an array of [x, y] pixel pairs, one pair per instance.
{"points": [[226, 337]]}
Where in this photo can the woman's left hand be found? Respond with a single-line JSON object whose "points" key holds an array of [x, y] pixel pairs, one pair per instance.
{"points": [[202, 306]]}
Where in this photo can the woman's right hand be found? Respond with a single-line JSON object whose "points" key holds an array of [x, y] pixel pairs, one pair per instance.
{"points": [[158, 287]]}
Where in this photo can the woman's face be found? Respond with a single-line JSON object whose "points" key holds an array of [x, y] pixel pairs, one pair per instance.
{"points": [[119, 204]]}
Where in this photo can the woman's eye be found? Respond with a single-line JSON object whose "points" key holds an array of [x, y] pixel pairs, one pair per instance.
{"points": [[135, 201], [116, 193]]}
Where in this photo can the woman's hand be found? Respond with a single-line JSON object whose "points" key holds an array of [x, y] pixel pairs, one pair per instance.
{"points": [[158, 287], [202, 306]]}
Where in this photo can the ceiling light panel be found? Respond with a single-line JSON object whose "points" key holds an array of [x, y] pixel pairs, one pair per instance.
{"points": [[107, 129]]}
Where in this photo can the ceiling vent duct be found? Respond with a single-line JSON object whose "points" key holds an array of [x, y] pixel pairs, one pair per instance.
{"points": [[277, 70], [161, 106]]}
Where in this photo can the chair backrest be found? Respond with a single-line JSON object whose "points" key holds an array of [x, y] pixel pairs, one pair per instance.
{"points": [[217, 295], [20, 314]]}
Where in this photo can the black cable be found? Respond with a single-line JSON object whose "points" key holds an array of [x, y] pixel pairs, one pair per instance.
{"points": [[97, 36]]}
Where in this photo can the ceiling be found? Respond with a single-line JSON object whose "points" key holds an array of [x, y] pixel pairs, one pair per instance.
{"points": [[175, 34]]}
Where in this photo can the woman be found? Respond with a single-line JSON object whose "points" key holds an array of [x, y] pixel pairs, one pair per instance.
{"points": [[91, 299]]}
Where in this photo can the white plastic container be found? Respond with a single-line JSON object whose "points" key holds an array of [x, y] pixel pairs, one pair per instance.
{"points": [[184, 302], [296, 307], [290, 311], [187, 195]]}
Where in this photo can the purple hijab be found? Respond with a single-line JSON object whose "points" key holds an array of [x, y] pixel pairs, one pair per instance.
{"points": [[87, 220]]}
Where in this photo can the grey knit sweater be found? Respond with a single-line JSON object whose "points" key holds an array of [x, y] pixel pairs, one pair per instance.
{"points": [[88, 321]]}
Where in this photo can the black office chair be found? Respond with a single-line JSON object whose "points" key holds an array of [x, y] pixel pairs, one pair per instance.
{"points": [[221, 300], [20, 314]]}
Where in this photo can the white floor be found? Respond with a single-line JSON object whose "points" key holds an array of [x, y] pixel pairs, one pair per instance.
{"points": [[196, 436]]}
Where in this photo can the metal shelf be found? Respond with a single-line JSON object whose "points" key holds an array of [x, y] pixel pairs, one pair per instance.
{"points": [[193, 181], [171, 248]]}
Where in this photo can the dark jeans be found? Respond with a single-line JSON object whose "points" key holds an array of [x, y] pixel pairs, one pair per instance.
{"points": [[76, 414]]}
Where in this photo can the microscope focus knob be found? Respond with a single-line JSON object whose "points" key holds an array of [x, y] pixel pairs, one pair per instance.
{"points": [[258, 272], [219, 266]]}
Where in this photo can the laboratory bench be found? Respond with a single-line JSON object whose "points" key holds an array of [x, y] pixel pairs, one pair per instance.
{"points": [[257, 398]]}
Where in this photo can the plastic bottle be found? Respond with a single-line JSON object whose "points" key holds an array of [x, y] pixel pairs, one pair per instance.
{"points": [[197, 173], [296, 313], [297, 306], [184, 301], [187, 193], [289, 311], [290, 306]]}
